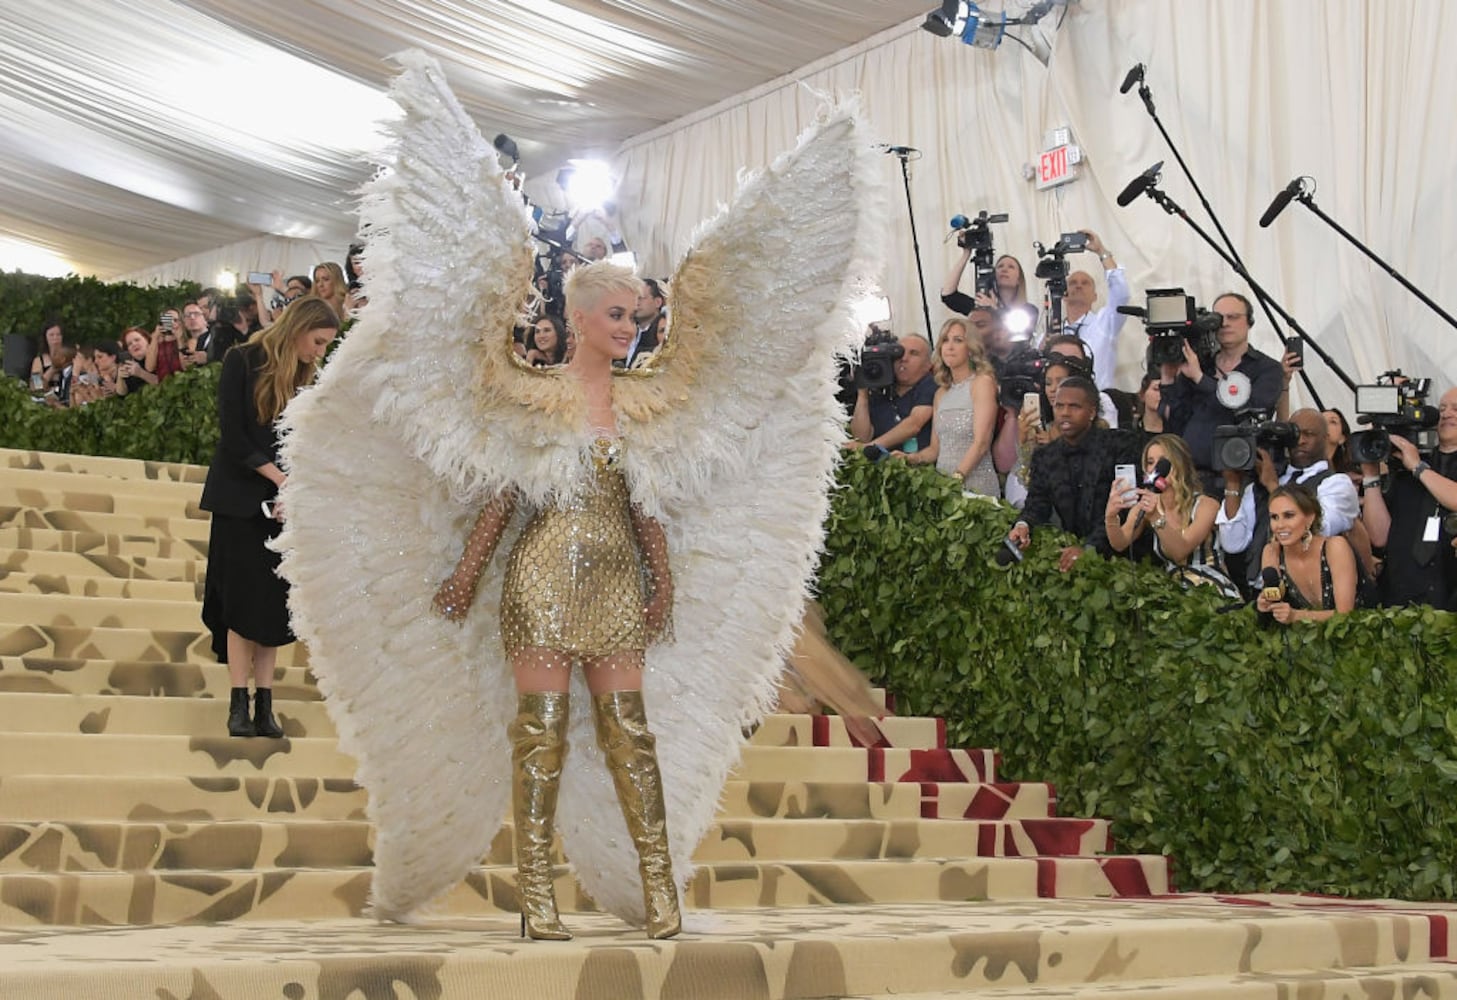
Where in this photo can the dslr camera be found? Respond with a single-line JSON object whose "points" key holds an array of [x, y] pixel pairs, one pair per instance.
{"points": [[1171, 318], [1236, 445], [974, 235], [876, 370], [1394, 403]]}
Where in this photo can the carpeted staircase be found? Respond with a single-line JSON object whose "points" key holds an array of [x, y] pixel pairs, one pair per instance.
{"points": [[142, 853]]}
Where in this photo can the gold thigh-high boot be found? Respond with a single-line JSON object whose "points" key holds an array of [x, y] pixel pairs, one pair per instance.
{"points": [[623, 735], [538, 746]]}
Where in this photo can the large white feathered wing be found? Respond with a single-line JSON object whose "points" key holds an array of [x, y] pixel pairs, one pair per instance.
{"points": [[396, 426], [733, 444]]}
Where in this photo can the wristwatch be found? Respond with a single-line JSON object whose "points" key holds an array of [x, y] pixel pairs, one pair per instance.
{"points": [[1105, 255], [1419, 468]]}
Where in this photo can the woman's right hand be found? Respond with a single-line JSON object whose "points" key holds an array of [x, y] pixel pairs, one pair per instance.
{"points": [[1116, 503], [454, 598]]}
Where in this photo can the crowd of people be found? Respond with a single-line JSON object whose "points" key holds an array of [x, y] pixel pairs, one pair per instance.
{"points": [[1131, 474], [1306, 533]]}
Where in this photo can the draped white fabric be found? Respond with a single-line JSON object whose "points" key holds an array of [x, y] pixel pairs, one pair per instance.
{"points": [[1253, 92]]}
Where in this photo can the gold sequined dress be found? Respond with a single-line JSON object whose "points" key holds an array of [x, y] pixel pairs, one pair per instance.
{"points": [[575, 581]]}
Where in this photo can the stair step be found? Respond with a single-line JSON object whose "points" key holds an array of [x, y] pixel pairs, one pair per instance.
{"points": [[102, 466], [105, 523], [71, 898], [120, 715], [178, 798], [281, 842], [866, 764], [78, 490], [1057, 948], [95, 543], [108, 643], [50, 753], [70, 585], [886, 800], [87, 565], [99, 612], [908, 732], [42, 674]]}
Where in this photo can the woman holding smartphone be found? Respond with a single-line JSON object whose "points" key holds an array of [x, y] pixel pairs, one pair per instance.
{"points": [[245, 605]]}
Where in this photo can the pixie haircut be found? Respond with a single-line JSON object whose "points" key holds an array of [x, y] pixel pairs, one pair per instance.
{"points": [[587, 283]]}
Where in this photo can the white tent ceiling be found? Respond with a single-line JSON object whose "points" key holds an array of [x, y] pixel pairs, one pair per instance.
{"points": [[134, 132]]}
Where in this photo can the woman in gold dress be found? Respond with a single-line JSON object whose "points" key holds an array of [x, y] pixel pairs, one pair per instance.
{"points": [[587, 581]]}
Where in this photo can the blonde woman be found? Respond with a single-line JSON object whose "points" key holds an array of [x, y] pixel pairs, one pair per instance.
{"points": [[245, 604], [1180, 519], [574, 592], [965, 411], [331, 286]]}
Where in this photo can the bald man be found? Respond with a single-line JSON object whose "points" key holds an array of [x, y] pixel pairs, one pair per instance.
{"points": [[1098, 329]]}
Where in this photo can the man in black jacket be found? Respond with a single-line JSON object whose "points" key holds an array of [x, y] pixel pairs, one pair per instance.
{"points": [[1070, 477]]}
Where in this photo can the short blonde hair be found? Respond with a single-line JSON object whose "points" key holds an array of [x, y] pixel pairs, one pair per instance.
{"points": [[587, 283]]}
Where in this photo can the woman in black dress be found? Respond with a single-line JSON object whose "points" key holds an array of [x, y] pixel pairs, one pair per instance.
{"points": [[1317, 573], [245, 604]]}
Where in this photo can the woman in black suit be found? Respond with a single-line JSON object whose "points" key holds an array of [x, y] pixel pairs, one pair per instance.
{"points": [[245, 604]]}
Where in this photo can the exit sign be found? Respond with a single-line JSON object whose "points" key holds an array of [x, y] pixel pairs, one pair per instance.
{"points": [[1055, 166]]}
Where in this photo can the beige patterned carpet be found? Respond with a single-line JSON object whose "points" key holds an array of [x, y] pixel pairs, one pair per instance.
{"points": [[144, 854]]}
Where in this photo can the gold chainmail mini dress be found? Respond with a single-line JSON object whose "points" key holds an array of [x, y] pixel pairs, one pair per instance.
{"points": [[575, 581]]}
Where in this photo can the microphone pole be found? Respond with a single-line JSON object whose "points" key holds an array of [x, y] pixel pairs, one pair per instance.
{"points": [[904, 153], [1260, 296], [1172, 207], [1308, 201]]}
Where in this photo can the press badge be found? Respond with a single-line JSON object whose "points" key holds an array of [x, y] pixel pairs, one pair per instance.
{"points": [[1434, 529]]}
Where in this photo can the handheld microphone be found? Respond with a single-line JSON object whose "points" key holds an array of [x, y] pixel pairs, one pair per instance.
{"points": [[1140, 184], [1155, 482], [1281, 200], [1272, 588], [1135, 75]]}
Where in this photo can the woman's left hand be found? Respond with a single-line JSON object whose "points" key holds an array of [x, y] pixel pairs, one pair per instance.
{"points": [[1282, 612]]}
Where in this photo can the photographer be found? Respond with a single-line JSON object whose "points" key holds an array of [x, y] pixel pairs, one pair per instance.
{"points": [[1411, 517], [1098, 329], [1243, 519], [890, 418], [1008, 291], [1190, 402]]}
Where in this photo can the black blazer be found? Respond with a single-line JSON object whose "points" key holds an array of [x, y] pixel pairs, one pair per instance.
{"points": [[233, 483]]}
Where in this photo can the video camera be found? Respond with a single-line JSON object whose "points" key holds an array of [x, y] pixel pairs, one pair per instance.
{"points": [[1394, 403], [1024, 371], [876, 369], [974, 234], [1171, 318], [1052, 269], [1236, 445]]}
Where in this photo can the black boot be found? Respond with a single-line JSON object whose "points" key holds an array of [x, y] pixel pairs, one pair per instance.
{"points": [[238, 722], [264, 724]]}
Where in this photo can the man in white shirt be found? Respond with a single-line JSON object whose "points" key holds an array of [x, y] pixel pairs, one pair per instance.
{"points": [[1099, 328], [1243, 520]]}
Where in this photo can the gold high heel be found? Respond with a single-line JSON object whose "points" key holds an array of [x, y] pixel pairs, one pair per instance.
{"points": [[623, 735], [538, 737]]}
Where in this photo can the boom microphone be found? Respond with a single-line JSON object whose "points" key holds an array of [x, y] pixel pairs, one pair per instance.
{"points": [[1155, 482], [1281, 200], [898, 150], [1135, 75], [1140, 184], [506, 147]]}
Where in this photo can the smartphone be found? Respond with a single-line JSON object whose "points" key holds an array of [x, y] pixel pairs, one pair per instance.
{"points": [[1128, 473], [1074, 241], [167, 320], [1032, 403], [874, 452], [267, 507], [1296, 346], [260, 278]]}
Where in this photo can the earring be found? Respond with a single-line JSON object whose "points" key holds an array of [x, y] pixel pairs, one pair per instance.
{"points": [[1306, 539]]}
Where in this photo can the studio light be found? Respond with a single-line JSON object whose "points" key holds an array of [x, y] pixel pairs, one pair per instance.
{"points": [[870, 309], [983, 29], [587, 184]]}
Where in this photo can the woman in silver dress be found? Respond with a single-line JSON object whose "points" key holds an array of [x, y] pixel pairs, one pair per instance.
{"points": [[965, 411]]}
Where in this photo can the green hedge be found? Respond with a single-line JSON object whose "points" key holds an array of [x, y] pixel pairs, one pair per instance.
{"points": [[173, 421], [1317, 757], [89, 309]]}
